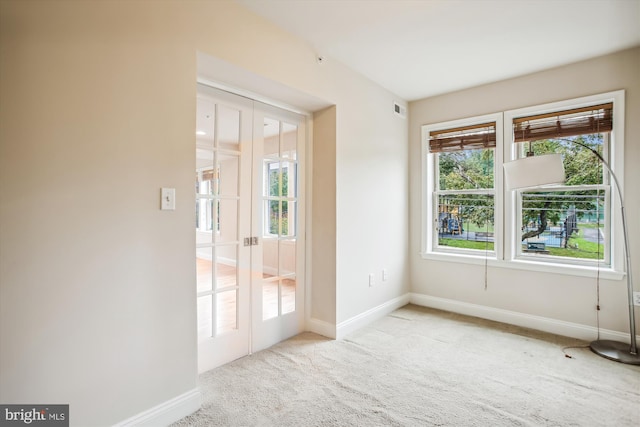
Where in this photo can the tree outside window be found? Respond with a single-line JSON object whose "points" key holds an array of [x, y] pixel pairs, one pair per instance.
{"points": [[464, 176], [569, 221], [278, 209]]}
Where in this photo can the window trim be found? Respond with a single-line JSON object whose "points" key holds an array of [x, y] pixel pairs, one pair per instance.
{"points": [[429, 171], [616, 162], [505, 253]]}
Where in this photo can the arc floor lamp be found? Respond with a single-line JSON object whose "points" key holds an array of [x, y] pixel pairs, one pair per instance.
{"points": [[525, 173]]}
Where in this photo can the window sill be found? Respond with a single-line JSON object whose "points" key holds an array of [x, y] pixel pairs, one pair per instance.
{"points": [[528, 265]]}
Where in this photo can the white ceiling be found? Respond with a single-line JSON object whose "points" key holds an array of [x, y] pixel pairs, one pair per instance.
{"points": [[421, 48]]}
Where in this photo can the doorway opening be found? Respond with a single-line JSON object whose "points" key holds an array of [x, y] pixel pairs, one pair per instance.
{"points": [[249, 215]]}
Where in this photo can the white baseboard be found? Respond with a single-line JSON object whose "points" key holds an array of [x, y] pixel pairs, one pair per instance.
{"points": [[545, 324], [167, 412], [321, 327], [363, 319]]}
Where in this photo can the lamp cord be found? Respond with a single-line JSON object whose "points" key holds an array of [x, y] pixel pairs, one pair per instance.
{"points": [[567, 355], [601, 181], [598, 264], [564, 349], [486, 251]]}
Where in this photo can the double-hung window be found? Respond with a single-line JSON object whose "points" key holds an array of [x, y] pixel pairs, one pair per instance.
{"points": [[572, 227], [461, 165], [568, 222]]}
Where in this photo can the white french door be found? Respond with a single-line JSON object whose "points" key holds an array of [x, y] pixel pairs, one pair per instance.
{"points": [[277, 262], [249, 212]]}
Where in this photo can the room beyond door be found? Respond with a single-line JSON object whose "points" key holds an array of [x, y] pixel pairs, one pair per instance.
{"points": [[249, 254]]}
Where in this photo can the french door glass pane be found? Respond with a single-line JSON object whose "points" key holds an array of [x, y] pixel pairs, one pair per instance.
{"points": [[204, 168], [287, 258], [271, 218], [204, 270], [270, 298], [228, 128], [205, 123], [228, 221], [228, 174], [205, 327], [288, 219], [226, 311], [289, 179], [271, 134], [270, 257], [288, 275], [204, 220], [272, 179], [288, 292], [226, 271], [206, 181], [289, 141]]}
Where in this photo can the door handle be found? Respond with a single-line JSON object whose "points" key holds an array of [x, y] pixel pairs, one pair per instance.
{"points": [[250, 241]]}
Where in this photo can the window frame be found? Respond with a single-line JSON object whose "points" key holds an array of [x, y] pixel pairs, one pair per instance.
{"points": [[506, 215], [430, 179], [613, 267]]}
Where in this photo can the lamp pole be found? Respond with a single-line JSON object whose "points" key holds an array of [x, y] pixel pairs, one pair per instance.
{"points": [[615, 350]]}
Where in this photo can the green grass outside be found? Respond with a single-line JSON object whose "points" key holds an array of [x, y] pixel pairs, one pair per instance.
{"points": [[574, 253], [470, 226], [584, 250], [466, 244], [579, 248]]}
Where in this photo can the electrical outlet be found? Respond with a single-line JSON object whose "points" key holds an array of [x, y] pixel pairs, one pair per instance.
{"points": [[636, 298], [372, 280], [385, 275]]}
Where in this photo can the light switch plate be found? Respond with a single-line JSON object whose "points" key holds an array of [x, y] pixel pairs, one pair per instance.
{"points": [[168, 199]]}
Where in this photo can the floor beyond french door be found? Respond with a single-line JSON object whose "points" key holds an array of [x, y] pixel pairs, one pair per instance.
{"points": [[249, 218]]}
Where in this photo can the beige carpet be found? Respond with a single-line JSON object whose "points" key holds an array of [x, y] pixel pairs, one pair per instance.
{"points": [[422, 367]]}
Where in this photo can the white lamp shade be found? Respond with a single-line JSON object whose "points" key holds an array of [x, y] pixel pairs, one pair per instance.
{"points": [[534, 171]]}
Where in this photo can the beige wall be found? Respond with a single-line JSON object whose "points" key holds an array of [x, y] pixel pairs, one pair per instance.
{"points": [[97, 112], [323, 216], [372, 200], [97, 101], [557, 297]]}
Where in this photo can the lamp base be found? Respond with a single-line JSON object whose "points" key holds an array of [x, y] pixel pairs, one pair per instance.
{"points": [[614, 350]]}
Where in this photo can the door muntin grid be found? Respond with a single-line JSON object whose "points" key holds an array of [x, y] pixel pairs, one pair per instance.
{"points": [[218, 150], [280, 217]]}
